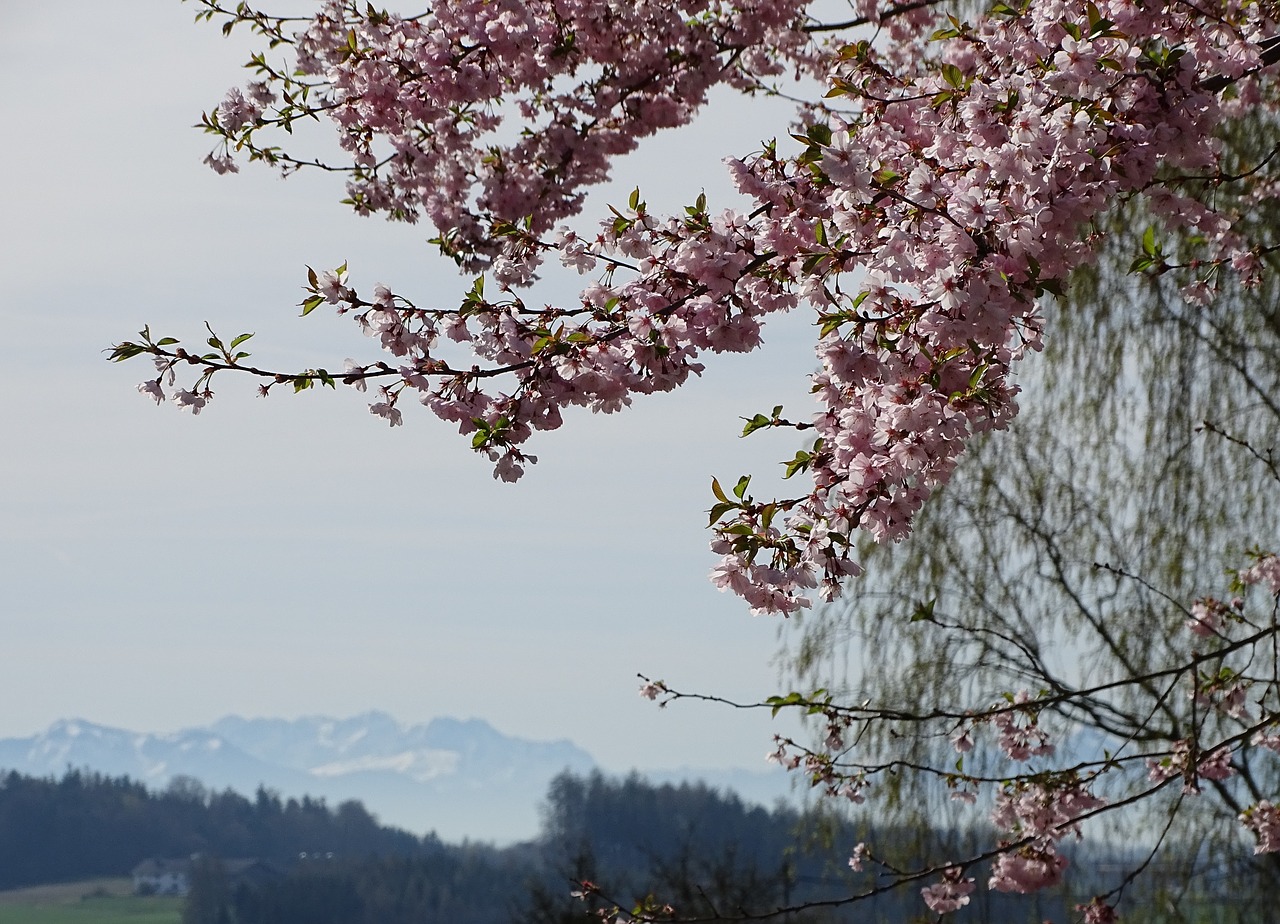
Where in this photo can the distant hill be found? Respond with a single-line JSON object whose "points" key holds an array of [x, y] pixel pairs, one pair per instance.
{"points": [[462, 779]]}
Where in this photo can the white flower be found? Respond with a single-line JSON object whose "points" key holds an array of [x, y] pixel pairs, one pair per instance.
{"points": [[191, 399], [152, 388]]}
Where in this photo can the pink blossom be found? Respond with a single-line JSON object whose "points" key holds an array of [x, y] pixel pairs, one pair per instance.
{"points": [[351, 368], [388, 412], [1263, 819], [194, 401], [1044, 811], [1098, 912], [235, 112], [1216, 766], [1233, 701], [951, 183], [1268, 738], [1266, 571], [951, 894], [221, 163], [1020, 737], [1207, 617], [331, 287], [152, 389], [509, 467], [1027, 869]]}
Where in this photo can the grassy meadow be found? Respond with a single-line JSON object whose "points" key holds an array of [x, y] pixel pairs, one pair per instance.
{"points": [[94, 901]]}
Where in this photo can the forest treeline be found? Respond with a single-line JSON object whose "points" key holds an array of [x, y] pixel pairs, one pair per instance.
{"points": [[87, 824], [704, 851]]}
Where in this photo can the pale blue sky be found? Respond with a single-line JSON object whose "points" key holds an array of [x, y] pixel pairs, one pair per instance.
{"points": [[294, 555]]}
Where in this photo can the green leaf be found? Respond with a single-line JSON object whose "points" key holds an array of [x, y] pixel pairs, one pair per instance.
{"points": [[819, 133], [755, 423], [767, 513], [924, 611], [239, 340], [719, 491], [798, 464], [720, 510], [779, 702], [166, 341], [832, 322], [1149, 242], [953, 75], [312, 304], [1053, 286], [123, 351], [740, 488]]}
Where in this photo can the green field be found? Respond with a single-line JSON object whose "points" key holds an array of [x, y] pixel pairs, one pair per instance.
{"points": [[97, 901]]}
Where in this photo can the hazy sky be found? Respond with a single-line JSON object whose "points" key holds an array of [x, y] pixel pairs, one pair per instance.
{"points": [[294, 555]]}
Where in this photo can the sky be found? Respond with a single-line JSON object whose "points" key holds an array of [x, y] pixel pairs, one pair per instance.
{"points": [[293, 555]]}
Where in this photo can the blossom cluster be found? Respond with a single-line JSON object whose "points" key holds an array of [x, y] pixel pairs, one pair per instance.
{"points": [[1039, 815], [1038, 797], [423, 103], [953, 176], [965, 184], [1263, 820], [949, 180], [951, 894], [1264, 571], [1215, 766]]}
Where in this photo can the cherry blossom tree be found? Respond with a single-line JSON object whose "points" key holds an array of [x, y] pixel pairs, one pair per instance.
{"points": [[952, 170], [1023, 573]]}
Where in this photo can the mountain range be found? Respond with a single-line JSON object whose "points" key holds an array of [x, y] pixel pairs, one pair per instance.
{"points": [[462, 779]]}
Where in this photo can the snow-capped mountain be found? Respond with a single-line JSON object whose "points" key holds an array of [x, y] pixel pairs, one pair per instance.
{"points": [[462, 779]]}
